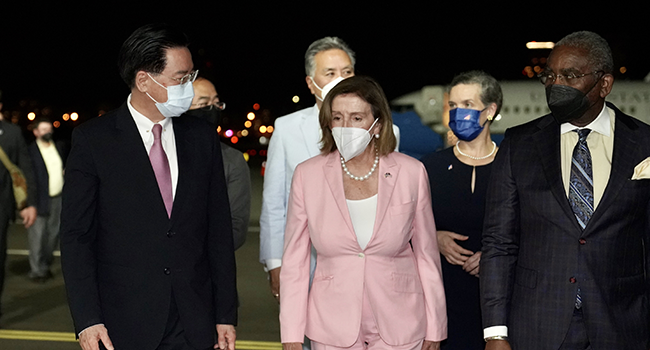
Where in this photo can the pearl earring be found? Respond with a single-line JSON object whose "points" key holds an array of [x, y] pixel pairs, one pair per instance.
{"points": [[376, 136]]}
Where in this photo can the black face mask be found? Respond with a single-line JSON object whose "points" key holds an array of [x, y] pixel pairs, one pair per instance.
{"points": [[567, 103], [47, 137], [211, 114]]}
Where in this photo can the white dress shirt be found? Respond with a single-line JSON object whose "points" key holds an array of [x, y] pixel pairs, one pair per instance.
{"points": [[167, 138]]}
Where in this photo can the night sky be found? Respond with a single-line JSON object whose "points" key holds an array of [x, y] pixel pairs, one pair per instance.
{"points": [[65, 58]]}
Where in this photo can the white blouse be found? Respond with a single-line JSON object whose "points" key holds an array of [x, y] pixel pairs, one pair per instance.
{"points": [[363, 213]]}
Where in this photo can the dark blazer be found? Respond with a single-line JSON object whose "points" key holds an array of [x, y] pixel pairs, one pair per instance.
{"points": [[13, 144], [535, 256], [123, 259], [41, 176]]}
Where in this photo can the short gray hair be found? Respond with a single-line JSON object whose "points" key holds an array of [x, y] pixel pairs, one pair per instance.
{"points": [[599, 54], [490, 88], [324, 44]]}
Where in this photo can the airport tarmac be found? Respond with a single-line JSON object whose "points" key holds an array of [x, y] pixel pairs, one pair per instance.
{"points": [[36, 315]]}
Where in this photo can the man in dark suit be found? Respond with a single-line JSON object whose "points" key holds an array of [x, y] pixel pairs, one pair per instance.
{"points": [[566, 236], [146, 239], [13, 144]]}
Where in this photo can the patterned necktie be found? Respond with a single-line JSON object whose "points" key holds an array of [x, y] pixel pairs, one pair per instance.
{"points": [[581, 190], [160, 166]]}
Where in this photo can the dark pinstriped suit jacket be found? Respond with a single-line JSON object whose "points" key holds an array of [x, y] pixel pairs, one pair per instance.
{"points": [[535, 256]]}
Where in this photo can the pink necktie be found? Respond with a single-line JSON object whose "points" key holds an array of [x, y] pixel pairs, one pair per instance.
{"points": [[160, 166]]}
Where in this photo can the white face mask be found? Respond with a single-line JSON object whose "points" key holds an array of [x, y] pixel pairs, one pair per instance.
{"points": [[179, 99], [351, 141], [326, 88]]}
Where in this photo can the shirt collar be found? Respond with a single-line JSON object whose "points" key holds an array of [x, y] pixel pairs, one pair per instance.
{"points": [[143, 123], [600, 125]]}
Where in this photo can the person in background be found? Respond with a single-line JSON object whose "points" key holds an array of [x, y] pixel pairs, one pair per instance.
{"points": [[207, 105], [567, 227], [367, 211], [458, 177], [48, 162], [13, 146], [295, 139]]}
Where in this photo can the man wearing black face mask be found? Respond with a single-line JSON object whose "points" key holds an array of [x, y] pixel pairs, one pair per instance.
{"points": [[48, 161], [207, 105], [567, 230]]}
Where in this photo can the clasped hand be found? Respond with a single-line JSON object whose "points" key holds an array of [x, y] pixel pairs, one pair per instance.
{"points": [[457, 255]]}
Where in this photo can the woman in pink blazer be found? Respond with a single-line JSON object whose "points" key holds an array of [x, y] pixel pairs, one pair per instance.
{"points": [[367, 212]]}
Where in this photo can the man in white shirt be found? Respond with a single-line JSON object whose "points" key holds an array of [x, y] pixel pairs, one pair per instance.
{"points": [[295, 139], [48, 160], [146, 241]]}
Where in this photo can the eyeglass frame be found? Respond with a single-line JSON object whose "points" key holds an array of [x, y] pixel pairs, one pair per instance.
{"points": [[218, 105], [187, 78], [543, 77]]}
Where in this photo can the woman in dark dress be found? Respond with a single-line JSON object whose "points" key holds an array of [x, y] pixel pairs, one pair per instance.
{"points": [[459, 177]]}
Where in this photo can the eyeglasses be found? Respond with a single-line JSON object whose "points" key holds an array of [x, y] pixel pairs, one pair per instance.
{"points": [[187, 78], [212, 105], [548, 78]]}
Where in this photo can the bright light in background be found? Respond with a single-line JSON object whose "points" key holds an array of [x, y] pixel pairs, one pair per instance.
{"points": [[534, 45], [295, 99], [219, 129], [74, 116], [56, 124], [250, 116], [248, 124], [264, 140], [247, 156], [256, 106], [234, 139], [66, 117], [229, 133], [244, 133], [269, 129], [263, 129], [31, 116]]}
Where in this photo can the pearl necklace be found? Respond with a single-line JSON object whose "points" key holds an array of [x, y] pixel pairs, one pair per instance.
{"points": [[361, 178], [494, 148]]}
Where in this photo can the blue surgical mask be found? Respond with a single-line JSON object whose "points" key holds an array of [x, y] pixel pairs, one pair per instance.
{"points": [[465, 123]]}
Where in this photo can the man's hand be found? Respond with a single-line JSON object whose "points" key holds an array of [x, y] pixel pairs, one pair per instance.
{"points": [[497, 345], [226, 337], [90, 337], [274, 281], [454, 253], [471, 266], [291, 346], [29, 216], [431, 345]]}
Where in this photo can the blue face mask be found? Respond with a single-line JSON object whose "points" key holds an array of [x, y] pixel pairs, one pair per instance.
{"points": [[465, 123]]}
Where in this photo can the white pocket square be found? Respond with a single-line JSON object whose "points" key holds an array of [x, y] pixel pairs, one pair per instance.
{"points": [[642, 170]]}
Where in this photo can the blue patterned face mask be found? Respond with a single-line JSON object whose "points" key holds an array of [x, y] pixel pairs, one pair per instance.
{"points": [[465, 123]]}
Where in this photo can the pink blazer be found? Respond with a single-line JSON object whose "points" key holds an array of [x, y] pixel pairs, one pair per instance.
{"points": [[403, 285]]}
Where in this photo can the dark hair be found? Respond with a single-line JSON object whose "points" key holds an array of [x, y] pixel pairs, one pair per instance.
{"points": [[490, 88], [370, 91], [146, 50]]}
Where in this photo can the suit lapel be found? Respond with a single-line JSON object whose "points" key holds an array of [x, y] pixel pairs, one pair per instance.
{"points": [[183, 139], [334, 178], [388, 174], [135, 158], [310, 128], [547, 141], [624, 159]]}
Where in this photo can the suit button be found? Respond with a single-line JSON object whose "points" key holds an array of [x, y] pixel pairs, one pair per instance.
{"points": [[572, 280], [167, 271], [582, 241], [361, 255], [171, 234]]}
